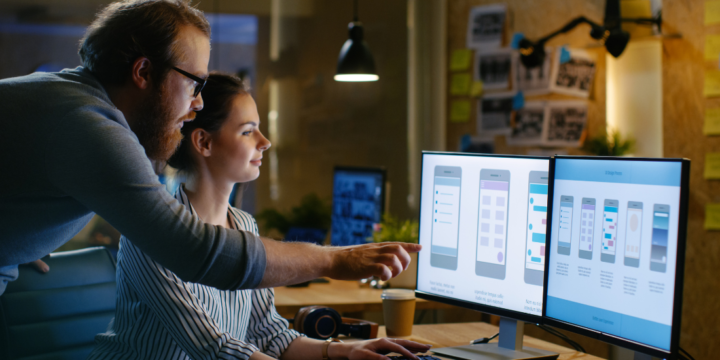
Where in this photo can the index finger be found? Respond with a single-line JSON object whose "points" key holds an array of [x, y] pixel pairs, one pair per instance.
{"points": [[411, 248]]}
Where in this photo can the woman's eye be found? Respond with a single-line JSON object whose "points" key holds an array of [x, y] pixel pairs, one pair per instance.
{"points": [[247, 133]]}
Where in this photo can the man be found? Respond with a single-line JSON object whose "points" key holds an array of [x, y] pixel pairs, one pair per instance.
{"points": [[77, 142]]}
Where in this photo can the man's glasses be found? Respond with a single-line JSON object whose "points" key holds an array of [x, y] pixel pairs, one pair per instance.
{"points": [[200, 81]]}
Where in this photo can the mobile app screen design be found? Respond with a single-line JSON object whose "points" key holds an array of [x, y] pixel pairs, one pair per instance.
{"points": [[446, 217], [565, 224], [609, 237]]}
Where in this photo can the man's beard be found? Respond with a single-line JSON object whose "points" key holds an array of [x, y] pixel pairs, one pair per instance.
{"points": [[156, 128]]}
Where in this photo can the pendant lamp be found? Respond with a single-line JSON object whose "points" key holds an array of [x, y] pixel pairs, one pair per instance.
{"points": [[355, 62]]}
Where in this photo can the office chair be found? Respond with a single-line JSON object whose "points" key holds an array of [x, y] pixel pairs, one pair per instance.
{"points": [[57, 315]]}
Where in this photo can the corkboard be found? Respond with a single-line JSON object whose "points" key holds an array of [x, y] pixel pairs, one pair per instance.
{"points": [[683, 114], [534, 21]]}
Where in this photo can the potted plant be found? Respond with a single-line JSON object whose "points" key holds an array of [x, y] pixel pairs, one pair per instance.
{"points": [[393, 230], [308, 222], [609, 144]]}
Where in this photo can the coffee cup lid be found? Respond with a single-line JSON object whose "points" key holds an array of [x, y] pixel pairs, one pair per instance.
{"points": [[398, 294]]}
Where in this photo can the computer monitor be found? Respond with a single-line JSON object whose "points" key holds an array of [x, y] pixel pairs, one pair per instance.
{"points": [[358, 204], [617, 250], [482, 228]]}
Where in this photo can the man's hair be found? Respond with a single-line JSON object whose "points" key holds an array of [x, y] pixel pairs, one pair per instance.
{"points": [[127, 30]]}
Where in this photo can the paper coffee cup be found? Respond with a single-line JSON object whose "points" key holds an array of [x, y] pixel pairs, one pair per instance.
{"points": [[398, 311]]}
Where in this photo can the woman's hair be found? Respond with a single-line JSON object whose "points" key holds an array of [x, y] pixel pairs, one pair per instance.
{"points": [[127, 30], [218, 96]]}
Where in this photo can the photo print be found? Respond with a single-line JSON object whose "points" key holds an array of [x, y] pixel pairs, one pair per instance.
{"points": [[494, 114], [528, 125], [493, 68], [485, 26], [574, 77], [566, 123], [534, 81]]}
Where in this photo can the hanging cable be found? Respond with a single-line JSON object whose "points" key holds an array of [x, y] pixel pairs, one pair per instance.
{"points": [[687, 354], [355, 10], [571, 342]]}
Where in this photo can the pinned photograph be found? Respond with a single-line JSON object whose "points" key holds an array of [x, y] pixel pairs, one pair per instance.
{"points": [[565, 123], [528, 125], [493, 68], [534, 81], [494, 111], [573, 72], [485, 26]]}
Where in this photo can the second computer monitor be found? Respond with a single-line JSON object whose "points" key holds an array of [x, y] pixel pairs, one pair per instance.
{"points": [[616, 256], [482, 228], [358, 204]]}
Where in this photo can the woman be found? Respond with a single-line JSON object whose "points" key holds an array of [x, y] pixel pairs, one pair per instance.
{"points": [[160, 316]]}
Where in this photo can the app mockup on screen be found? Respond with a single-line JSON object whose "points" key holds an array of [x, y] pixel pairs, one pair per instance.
{"points": [[630, 212], [482, 227], [536, 226]]}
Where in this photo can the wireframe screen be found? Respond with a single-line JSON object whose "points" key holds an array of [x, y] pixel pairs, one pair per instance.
{"points": [[619, 276], [482, 228], [358, 199]]}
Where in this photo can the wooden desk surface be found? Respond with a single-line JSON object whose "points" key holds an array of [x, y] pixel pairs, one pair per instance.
{"points": [[343, 296], [444, 335]]}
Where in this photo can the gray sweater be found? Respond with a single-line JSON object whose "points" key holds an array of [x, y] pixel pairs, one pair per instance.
{"points": [[67, 152]]}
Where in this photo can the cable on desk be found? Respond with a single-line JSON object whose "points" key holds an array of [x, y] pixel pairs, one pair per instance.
{"points": [[572, 342], [484, 340], [687, 354]]}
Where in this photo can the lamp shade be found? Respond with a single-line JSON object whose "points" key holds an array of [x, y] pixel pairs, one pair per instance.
{"points": [[355, 62]]}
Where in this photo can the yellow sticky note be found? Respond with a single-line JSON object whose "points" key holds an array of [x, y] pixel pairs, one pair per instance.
{"points": [[476, 88], [460, 111], [460, 59], [712, 47], [712, 166], [712, 83], [460, 84], [712, 12], [712, 217], [712, 122]]}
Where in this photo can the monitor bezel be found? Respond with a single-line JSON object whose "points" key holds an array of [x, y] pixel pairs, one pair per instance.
{"points": [[679, 265], [362, 169], [517, 315]]}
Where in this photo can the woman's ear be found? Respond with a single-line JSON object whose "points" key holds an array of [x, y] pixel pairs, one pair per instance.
{"points": [[201, 142]]}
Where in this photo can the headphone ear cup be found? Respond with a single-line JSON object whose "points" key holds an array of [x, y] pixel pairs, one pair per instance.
{"points": [[320, 322], [299, 321]]}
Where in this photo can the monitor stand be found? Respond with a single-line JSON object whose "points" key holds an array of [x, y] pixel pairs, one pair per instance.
{"points": [[509, 347], [621, 353]]}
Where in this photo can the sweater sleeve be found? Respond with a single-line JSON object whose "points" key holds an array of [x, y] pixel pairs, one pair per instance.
{"points": [[96, 159], [179, 310], [267, 329]]}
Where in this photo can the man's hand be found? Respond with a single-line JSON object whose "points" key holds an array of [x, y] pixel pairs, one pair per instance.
{"points": [[384, 260], [375, 349], [39, 265], [293, 263]]}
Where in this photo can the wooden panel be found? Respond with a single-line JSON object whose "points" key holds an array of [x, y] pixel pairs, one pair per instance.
{"points": [[683, 113]]}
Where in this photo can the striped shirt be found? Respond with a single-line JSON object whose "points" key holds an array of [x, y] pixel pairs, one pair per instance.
{"points": [[159, 316]]}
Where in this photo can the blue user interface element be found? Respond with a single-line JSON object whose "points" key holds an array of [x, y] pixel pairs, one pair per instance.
{"points": [[617, 297]]}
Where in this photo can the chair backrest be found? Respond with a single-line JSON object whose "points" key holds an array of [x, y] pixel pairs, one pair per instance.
{"points": [[57, 315]]}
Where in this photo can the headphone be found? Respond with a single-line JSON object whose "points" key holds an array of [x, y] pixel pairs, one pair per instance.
{"points": [[321, 322]]}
